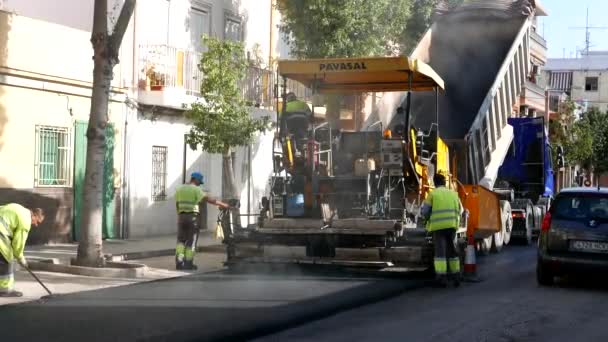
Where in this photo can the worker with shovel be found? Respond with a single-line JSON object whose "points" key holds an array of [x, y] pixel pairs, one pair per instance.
{"points": [[15, 224]]}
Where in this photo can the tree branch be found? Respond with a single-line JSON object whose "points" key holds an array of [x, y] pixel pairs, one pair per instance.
{"points": [[121, 26], [99, 18]]}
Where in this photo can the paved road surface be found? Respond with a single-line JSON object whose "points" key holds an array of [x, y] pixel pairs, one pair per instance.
{"points": [[507, 306], [207, 307]]}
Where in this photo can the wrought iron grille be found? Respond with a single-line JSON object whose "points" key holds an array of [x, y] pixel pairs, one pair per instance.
{"points": [[159, 173], [53, 156]]}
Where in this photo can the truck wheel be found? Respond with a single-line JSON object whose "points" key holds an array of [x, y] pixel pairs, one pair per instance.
{"points": [[528, 239], [526, 205], [507, 221], [485, 245], [498, 240], [529, 225]]}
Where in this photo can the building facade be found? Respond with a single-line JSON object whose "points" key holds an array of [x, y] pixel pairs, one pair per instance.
{"points": [[46, 71], [45, 93], [583, 79], [168, 49], [532, 102]]}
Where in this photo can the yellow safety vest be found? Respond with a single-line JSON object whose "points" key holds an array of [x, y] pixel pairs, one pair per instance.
{"points": [[15, 225], [297, 106], [187, 197], [445, 212]]}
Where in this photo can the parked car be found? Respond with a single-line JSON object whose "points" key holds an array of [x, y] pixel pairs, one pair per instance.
{"points": [[574, 234]]}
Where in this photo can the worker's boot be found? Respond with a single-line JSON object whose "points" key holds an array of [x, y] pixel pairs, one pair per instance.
{"points": [[189, 265], [456, 279], [441, 281], [11, 293]]}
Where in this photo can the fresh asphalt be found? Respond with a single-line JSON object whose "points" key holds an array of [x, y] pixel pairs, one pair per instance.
{"points": [[507, 306], [217, 306], [302, 305]]}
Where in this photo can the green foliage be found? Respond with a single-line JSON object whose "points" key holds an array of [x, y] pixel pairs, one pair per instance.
{"points": [[585, 141], [343, 28], [355, 28], [594, 131], [221, 120]]}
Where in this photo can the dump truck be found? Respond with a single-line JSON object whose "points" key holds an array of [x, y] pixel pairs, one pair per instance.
{"points": [[527, 176], [354, 197], [482, 50]]}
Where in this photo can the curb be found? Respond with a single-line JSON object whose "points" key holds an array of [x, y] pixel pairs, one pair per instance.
{"points": [[112, 269], [117, 257]]}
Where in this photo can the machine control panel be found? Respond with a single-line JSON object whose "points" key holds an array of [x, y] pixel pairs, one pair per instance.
{"points": [[392, 154]]}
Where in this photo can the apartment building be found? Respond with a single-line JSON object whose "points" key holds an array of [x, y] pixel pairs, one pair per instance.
{"points": [[583, 79], [45, 89], [168, 48], [45, 92], [532, 101]]}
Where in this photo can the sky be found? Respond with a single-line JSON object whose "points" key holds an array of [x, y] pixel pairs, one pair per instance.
{"points": [[564, 14]]}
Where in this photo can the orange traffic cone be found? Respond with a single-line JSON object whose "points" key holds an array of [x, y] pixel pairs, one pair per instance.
{"points": [[470, 264]]}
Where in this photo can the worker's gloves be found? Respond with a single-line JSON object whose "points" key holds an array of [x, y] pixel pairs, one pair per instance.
{"points": [[22, 262]]}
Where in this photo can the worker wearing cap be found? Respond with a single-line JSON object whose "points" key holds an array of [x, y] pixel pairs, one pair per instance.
{"points": [[442, 210], [296, 106], [15, 224], [187, 200]]}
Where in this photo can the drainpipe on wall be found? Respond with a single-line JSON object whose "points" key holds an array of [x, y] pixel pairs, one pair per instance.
{"points": [[125, 192], [184, 163], [271, 36]]}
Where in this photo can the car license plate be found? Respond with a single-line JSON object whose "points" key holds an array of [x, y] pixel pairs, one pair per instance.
{"points": [[589, 246]]}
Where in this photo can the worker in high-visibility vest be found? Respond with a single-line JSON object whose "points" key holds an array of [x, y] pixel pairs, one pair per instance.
{"points": [[297, 116], [15, 224], [187, 200], [442, 210], [295, 105]]}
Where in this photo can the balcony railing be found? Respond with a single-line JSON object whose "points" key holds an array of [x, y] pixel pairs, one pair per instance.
{"points": [[538, 46], [163, 66], [257, 87], [533, 96]]}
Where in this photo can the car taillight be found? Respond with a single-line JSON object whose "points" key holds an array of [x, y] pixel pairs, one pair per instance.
{"points": [[518, 215], [546, 223]]}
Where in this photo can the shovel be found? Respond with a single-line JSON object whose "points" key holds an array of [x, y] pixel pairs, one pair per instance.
{"points": [[39, 281]]}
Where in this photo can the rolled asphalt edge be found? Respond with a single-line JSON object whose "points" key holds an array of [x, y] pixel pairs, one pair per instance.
{"points": [[275, 320]]}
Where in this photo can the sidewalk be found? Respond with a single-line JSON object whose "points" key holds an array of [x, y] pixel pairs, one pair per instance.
{"points": [[156, 253], [119, 250]]}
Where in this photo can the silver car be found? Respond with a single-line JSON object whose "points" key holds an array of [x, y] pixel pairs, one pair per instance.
{"points": [[574, 234]]}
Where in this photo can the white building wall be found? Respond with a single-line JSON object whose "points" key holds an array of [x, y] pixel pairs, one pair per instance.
{"points": [[146, 216], [597, 98], [168, 23]]}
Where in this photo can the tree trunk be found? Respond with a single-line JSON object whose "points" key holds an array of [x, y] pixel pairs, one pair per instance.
{"points": [[105, 56], [230, 190], [228, 182]]}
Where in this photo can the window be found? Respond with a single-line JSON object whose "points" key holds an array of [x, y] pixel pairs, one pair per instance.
{"points": [[53, 158], [232, 28], [581, 207], [200, 24], [591, 83], [159, 173]]}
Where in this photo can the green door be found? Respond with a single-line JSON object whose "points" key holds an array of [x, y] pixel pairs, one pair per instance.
{"points": [[80, 160]]}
